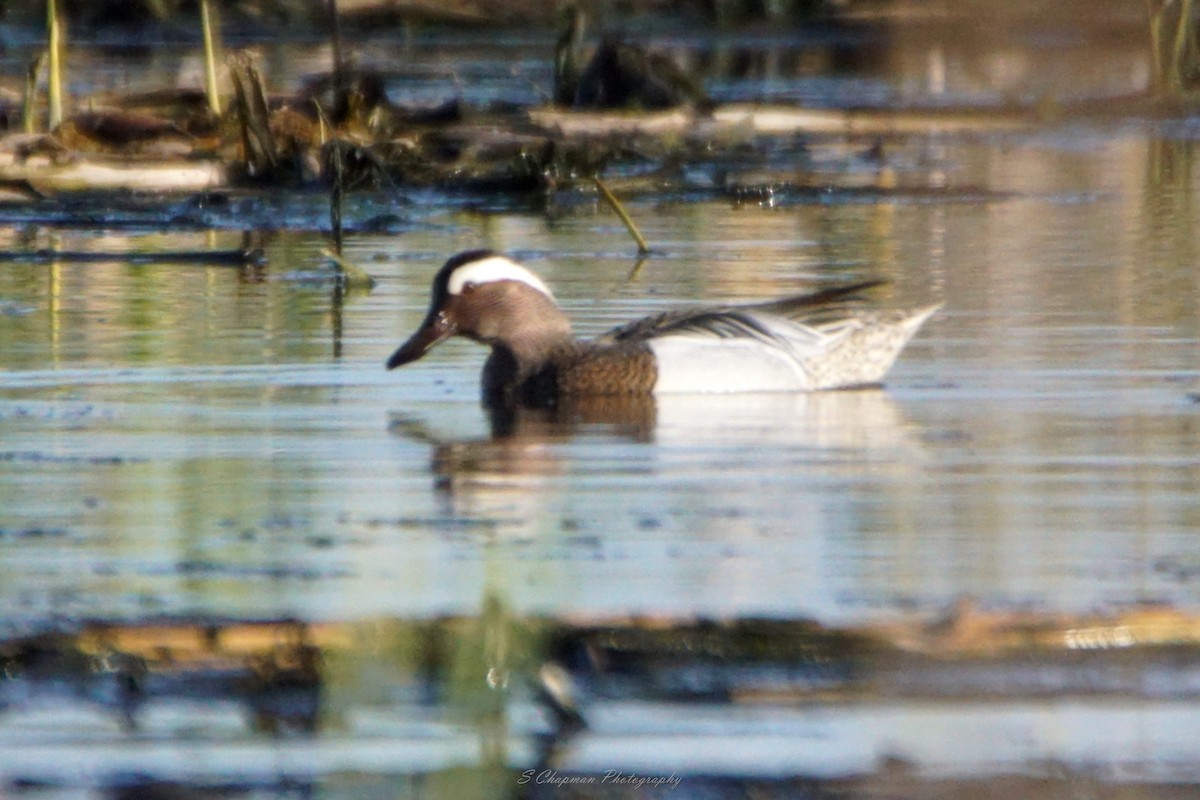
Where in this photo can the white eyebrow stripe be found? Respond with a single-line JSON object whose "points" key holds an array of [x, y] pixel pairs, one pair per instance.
{"points": [[494, 268]]}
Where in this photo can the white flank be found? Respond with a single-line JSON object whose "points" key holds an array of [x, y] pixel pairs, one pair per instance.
{"points": [[494, 268], [856, 351], [692, 364]]}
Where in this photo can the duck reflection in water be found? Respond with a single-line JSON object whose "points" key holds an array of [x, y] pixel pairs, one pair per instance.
{"points": [[504, 483], [500, 479]]}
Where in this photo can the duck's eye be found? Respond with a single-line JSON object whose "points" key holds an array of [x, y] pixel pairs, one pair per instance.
{"points": [[469, 286]]}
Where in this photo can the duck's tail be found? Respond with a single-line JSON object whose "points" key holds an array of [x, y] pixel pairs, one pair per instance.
{"points": [[860, 350]]}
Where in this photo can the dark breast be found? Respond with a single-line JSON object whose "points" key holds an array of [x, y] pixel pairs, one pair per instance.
{"points": [[623, 369], [627, 369]]}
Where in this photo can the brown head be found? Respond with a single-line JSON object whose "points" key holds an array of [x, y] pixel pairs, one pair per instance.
{"points": [[491, 299]]}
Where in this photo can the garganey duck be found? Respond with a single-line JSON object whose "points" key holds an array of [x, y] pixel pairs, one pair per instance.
{"points": [[806, 343]]}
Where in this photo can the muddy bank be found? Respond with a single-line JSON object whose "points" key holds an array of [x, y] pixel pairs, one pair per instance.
{"points": [[638, 110]]}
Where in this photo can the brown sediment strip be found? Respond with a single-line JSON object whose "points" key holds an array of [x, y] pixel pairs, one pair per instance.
{"points": [[965, 633]]}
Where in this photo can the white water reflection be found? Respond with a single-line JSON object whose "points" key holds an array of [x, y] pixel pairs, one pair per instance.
{"points": [[1105, 739]]}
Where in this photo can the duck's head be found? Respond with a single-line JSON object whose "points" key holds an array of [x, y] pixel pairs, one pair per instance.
{"points": [[489, 298]]}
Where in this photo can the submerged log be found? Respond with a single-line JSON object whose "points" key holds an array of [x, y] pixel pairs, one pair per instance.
{"points": [[122, 129], [787, 120], [775, 121], [100, 173]]}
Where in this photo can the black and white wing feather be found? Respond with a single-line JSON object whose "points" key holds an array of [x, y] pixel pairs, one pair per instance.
{"points": [[746, 321]]}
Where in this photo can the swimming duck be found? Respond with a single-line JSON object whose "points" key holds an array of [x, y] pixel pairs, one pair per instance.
{"points": [[805, 343]]}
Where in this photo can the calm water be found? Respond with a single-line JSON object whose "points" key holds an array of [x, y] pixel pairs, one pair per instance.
{"points": [[193, 442]]}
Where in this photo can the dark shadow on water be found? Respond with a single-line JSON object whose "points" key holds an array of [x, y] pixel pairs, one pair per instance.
{"points": [[625, 416]]}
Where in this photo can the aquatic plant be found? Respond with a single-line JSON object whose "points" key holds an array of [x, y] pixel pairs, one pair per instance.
{"points": [[1174, 49], [611, 199], [55, 26], [210, 32]]}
